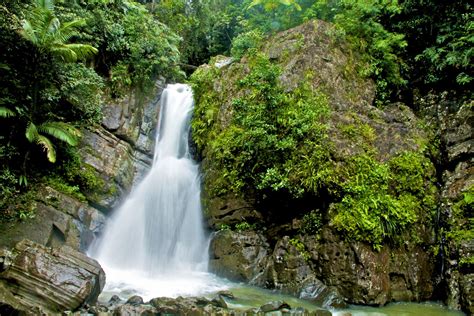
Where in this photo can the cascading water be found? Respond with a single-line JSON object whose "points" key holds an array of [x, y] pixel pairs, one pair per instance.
{"points": [[155, 243]]}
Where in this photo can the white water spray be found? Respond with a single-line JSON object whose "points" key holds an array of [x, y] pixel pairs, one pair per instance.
{"points": [[155, 244]]}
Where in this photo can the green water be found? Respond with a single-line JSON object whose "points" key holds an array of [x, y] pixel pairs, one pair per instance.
{"points": [[248, 297]]}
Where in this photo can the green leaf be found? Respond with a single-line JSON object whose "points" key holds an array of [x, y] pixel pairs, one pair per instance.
{"points": [[31, 132], [62, 131], [48, 147], [6, 112]]}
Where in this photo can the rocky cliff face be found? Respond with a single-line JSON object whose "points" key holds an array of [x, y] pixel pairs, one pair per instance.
{"points": [[117, 153], [454, 122], [266, 243]]}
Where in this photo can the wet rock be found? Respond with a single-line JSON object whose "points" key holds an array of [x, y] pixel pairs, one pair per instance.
{"points": [[226, 293], [49, 279], [135, 300], [273, 306], [134, 310], [219, 302], [365, 276], [111, 159], [320, 312], [115, 299], [288, 267], [322, 295], [59, 220], [240, 256], [467, 293]]}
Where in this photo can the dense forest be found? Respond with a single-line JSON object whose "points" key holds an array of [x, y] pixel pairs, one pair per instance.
{"points": [[377, 161], [61, 59]]}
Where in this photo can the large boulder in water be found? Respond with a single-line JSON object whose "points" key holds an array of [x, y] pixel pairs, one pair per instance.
{"points": [[37, 279], [274, 178]]}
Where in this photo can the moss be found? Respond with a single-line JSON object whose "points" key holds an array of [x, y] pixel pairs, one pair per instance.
{"points": [[381, 200], [60, 185], [300, 247]]}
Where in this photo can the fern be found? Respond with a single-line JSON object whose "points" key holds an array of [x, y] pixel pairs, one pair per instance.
{"points": [[62, 131], [6, 112]]}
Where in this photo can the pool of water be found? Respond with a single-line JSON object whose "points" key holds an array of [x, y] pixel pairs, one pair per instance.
{"points": [[206, 284]]}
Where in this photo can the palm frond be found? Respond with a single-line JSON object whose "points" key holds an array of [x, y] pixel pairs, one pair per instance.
{"points": [[45, 4], [6, 112], [64, 52], [62, 131], [28, 32], [31, 132], [48, 147], [83, 51]]}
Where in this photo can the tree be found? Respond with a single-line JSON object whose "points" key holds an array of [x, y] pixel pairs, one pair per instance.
{"points": [[47, 33]]}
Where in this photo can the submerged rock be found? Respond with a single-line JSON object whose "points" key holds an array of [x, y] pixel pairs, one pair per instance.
{"points": [[47, 280]]}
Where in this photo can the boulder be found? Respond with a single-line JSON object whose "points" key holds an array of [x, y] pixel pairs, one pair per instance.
{"points": [[47, 280], [59, 220], [363, 275], [239, 256]]}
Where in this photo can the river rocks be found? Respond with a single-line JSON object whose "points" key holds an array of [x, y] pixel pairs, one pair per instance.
{"points": [[239, 256], [196, 306], [47, 280], [322, 295]]}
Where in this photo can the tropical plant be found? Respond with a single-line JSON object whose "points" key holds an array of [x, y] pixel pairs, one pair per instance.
{"points": [[272, 5], [59, 130], [49, 35]]}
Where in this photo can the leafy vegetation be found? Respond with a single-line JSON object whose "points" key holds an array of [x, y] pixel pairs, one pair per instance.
{"points": [[59, 59], [275, 144]]}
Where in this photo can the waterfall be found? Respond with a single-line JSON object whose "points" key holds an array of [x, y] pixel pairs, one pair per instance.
{"points": [[155, 242]]}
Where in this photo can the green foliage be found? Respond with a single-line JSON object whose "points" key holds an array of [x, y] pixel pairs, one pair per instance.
{"points": [[245, 41], [49, 35], [134, 48], [257, 149], [271, 5], [360, 23], [461, 221], [62, 186], [311, 223], [300, 247], [381, 200], [440, 41], [59, 130], [243, 226]]}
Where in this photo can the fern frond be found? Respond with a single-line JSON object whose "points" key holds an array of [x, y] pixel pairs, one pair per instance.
{"points": [[83, 51], [62, 131], [6, 112], [48, 147], [45, 4], [64, 52], [31, 132], [28, 32]]}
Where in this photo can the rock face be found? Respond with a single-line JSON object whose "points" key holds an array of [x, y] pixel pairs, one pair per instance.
{"points": [[455, 123], [281, 256], [118, 153], [240, 256], [59, 220], [122, 149], [37, 279]]}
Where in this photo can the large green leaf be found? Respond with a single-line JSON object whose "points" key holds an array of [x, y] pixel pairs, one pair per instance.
{"points": [[62, 131], [31, 132], [6, 112], [48, 147]]}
